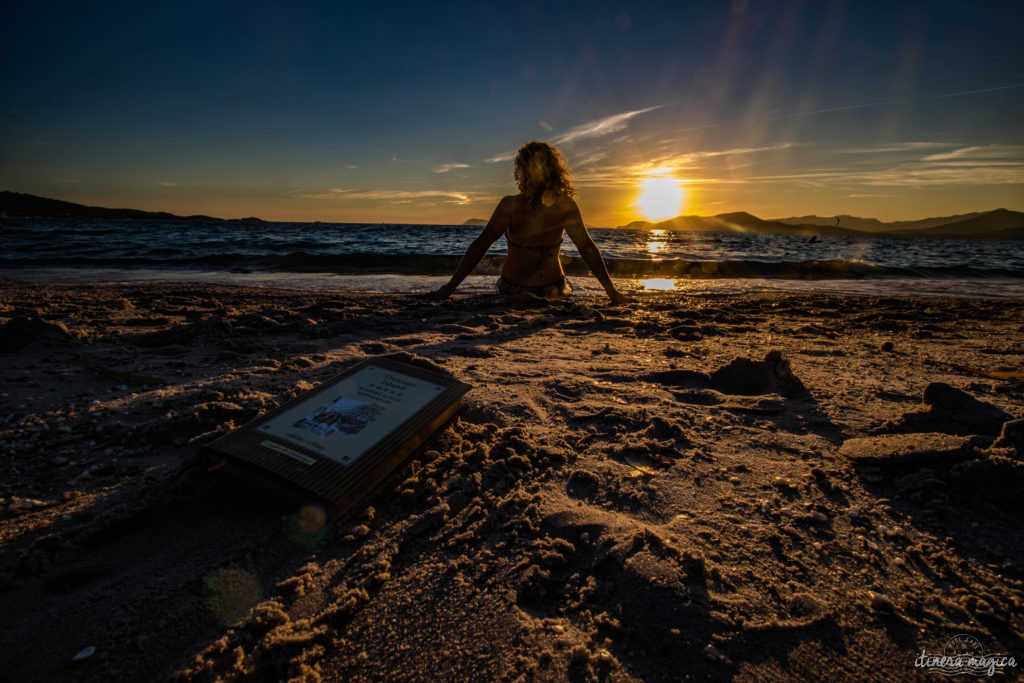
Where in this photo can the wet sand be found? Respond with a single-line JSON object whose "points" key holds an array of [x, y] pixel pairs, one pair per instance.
{"points": [[736, 486]]}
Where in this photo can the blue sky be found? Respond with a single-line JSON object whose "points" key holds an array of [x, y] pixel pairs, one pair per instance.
{"points": [[408, 112]]}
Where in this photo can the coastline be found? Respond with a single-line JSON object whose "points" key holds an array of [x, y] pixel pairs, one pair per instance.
{"points": [[611, 503], [1008, 289]]}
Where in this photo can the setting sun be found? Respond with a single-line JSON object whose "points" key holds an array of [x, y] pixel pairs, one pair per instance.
{"points": [[660, 198]]}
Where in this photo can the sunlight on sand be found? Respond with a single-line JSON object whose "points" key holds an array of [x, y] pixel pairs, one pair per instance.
{"points": [[660, 284]]}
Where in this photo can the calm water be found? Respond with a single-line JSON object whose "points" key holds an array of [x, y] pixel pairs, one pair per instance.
{"points": [[404, 257]]}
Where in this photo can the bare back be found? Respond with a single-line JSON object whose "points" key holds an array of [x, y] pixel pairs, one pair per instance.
{"points": [[534, 235]]}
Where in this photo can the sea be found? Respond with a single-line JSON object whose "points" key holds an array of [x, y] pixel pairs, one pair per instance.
{"points": [[419, 258]]}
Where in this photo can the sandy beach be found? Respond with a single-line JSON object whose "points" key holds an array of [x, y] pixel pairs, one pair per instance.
{"points": [[760, 486]]}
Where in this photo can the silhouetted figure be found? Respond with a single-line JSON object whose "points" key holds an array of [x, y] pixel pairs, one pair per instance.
{"points": [[533, 222]]}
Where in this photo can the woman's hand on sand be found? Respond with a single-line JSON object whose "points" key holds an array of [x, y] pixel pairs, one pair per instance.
{"points": [[442, 293]]}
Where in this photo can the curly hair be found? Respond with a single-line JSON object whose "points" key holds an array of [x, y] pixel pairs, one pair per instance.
{"points": [[540, 168]]}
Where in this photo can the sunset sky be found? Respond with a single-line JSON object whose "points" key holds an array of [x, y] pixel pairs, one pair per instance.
{"points": [[392, 112]]}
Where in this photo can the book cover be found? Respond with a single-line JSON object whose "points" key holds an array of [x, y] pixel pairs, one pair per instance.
{"points": [[338, 442]]}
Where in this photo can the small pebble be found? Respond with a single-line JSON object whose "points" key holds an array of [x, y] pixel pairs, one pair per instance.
{"points": [[85, 653], [713, 653], [853, 512], [881, 603]]}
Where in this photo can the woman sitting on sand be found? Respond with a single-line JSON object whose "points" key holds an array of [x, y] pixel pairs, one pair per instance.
{"points": [[532, 222]]}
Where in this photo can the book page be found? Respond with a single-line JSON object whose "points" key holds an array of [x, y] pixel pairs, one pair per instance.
{"points": [[347, 419]]}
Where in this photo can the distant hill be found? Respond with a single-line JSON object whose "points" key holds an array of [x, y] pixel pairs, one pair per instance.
{"points": [[20, 205], [476, 221], [740, 221], [998, 224], [975, 225]]}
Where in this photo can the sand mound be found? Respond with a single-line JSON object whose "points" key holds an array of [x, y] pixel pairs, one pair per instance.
{"points": [[19, 332], [951, 411]]}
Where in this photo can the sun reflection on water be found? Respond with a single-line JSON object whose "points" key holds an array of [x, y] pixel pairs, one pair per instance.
{"points": [[656, 246]]}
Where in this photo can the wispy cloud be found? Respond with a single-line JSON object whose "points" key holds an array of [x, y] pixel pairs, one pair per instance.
{"points": [[444, 168], [504, 156], [981, 153], [975, 92], [827, 110], [889, 147], [901, 175], [589, 159], [600, 127], [735, 151], [394, 195], [687, 164], [592, 129]]}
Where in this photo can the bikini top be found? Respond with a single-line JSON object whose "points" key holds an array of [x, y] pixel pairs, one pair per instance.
{"points": [[543, 247]]}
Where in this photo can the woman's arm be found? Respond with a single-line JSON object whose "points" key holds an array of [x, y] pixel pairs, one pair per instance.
{"points": [[494, 229], [591, 256]]}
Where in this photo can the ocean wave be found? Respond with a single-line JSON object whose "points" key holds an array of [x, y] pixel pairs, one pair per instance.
{"points": [[430, 264]]}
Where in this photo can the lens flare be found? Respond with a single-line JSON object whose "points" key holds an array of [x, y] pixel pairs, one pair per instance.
{"points": [[230, 592], [308, 524], [660, 198]]}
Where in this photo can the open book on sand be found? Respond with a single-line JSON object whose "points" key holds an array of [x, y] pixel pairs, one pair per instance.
{"points": [[338, 442]]}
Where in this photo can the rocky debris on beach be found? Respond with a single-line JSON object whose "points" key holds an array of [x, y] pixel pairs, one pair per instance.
{"points": [[929, 468], [994, 480], [952, 411], [1012, 436], [906, 449], [20, 332], [740, 377]]}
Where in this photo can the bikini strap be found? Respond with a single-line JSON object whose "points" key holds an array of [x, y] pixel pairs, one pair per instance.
{"points": [[533, 248]]}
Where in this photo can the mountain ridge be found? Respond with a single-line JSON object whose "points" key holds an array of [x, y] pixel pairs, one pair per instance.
{"points": [[996, 224], [22, 205]]}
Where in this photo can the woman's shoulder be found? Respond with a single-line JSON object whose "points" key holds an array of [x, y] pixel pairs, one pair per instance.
{"points": [[565, 203], [566, 199], [510, 202]]}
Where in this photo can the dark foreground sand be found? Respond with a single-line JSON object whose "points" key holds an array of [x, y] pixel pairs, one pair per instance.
{"points": [[675, 489]]}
